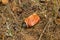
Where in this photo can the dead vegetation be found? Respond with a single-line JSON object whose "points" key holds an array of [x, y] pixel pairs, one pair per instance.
{"points": [[13, 13]]}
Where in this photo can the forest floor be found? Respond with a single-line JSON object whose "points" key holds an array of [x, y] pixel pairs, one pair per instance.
{"points": [[14, 12]]}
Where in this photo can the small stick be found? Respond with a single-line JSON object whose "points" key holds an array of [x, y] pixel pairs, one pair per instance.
{"points": [[45, 29], [9, 10]]}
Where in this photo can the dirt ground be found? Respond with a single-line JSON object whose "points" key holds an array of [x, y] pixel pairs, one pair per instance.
{"points": [[14, 12]]}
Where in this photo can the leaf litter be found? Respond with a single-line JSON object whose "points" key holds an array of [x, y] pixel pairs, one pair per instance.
{"points": [[13, 13]]}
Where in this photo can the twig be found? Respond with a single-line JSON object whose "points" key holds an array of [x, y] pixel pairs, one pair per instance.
{"points": [[10, 12], [4, 18], [45, 29], [8, 33], [48, 23]]}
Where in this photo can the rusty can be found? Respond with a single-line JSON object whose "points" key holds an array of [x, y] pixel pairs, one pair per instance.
{"points": [[31, 20]]}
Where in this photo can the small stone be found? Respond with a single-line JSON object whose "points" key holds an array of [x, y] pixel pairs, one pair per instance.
{"points": [[24, 25]]}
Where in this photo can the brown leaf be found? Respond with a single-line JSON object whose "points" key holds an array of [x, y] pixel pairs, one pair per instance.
{"points": [[4, 1], [57, 21]]}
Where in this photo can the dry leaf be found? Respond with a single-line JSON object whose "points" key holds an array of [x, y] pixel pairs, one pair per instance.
{"points": [[57, 21], [4, 1], [13, 6]]}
